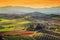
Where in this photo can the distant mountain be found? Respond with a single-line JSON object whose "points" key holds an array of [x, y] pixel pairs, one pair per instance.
{"points": [[15, 10], [35, 14], [42, 16], [52, 10], [23, 10], [32, 16]]}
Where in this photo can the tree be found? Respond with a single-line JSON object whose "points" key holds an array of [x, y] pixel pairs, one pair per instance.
{"points": [[1, 37], [38, 27], [31, 28]]}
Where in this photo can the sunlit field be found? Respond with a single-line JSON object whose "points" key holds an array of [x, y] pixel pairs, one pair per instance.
{"points": [[10, 25], [21, 29], [29, 28]]}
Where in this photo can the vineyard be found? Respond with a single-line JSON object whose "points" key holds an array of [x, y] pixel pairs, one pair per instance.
{"points": [[23, 29]]}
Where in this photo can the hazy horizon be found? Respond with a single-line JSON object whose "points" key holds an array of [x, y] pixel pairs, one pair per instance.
{"points": [[23, 9]]}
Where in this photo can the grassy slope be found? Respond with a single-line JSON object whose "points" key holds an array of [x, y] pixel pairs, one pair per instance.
{"points": [[12, 24]]}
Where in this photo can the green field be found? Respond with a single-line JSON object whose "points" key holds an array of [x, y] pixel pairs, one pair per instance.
{"points": [[22, 24]]}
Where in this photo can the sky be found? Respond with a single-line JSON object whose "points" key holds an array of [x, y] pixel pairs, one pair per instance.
{"points": [[30, 3]]}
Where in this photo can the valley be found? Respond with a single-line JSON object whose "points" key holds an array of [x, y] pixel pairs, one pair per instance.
{"points": [[30, 26]]}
